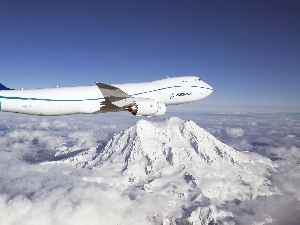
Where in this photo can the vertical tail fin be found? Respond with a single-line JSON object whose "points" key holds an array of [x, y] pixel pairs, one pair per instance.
{"points": [[2, 87]]}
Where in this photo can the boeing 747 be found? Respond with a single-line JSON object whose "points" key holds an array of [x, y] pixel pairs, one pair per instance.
{"points": [[140, 99]]}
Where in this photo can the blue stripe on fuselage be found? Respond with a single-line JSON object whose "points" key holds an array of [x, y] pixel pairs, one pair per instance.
{"points": [[90, 99]]}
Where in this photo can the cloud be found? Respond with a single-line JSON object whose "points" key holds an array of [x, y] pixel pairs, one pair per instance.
{"points": [[235, 132], [88, 204], [292, 154], [57, 194], [39, 193], [276, 209]]}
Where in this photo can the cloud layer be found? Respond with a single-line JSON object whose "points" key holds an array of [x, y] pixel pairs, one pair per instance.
{"points": [[35, 192]]}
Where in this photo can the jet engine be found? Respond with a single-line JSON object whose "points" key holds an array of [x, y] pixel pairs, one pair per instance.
{"points": [[147, 107]]}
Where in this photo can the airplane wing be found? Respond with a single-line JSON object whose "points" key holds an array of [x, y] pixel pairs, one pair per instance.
{"points": [[115, 98]]}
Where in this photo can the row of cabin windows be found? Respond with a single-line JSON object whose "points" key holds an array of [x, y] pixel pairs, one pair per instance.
{"points": [[195, 80]]}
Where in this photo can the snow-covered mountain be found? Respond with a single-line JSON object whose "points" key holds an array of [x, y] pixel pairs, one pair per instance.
{"points": [[179, 169]]}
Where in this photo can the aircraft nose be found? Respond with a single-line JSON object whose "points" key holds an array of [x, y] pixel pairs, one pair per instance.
{"points": [[209, 89]]}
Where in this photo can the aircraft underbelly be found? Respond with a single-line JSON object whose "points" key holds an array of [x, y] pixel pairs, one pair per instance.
{"points": [[50, 107]]}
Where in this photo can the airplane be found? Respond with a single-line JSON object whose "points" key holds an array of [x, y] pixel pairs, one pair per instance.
{"points": [[140, 99]]}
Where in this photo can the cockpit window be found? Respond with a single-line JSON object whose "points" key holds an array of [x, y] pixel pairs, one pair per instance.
{"points": [[199, 79]]}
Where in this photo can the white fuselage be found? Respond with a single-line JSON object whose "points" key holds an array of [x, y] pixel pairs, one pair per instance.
{"points": [[87, 99]]}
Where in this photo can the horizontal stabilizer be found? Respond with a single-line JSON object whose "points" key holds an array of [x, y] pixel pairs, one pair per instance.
{"points": [[2, 87]]}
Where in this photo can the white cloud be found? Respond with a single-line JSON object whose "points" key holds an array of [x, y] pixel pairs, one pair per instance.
{"points": [[87, 204], [59, 194], [235, 132], [245, 145], [44, 124], [277, 209], [59, 124], [291, 153], [287, 179]]}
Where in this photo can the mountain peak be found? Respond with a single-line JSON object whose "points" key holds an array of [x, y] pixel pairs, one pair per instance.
{"points": [[172, 121], [182, 164], [149, 151]]}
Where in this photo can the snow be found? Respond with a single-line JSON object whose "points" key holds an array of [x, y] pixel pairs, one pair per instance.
{"points": [[174, 169]]}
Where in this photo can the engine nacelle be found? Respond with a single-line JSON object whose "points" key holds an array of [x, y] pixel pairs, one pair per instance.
{"points": [[161, 109], [147, 107]]}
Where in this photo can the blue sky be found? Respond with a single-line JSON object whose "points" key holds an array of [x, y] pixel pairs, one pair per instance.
{"points": [[249, 51]]}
